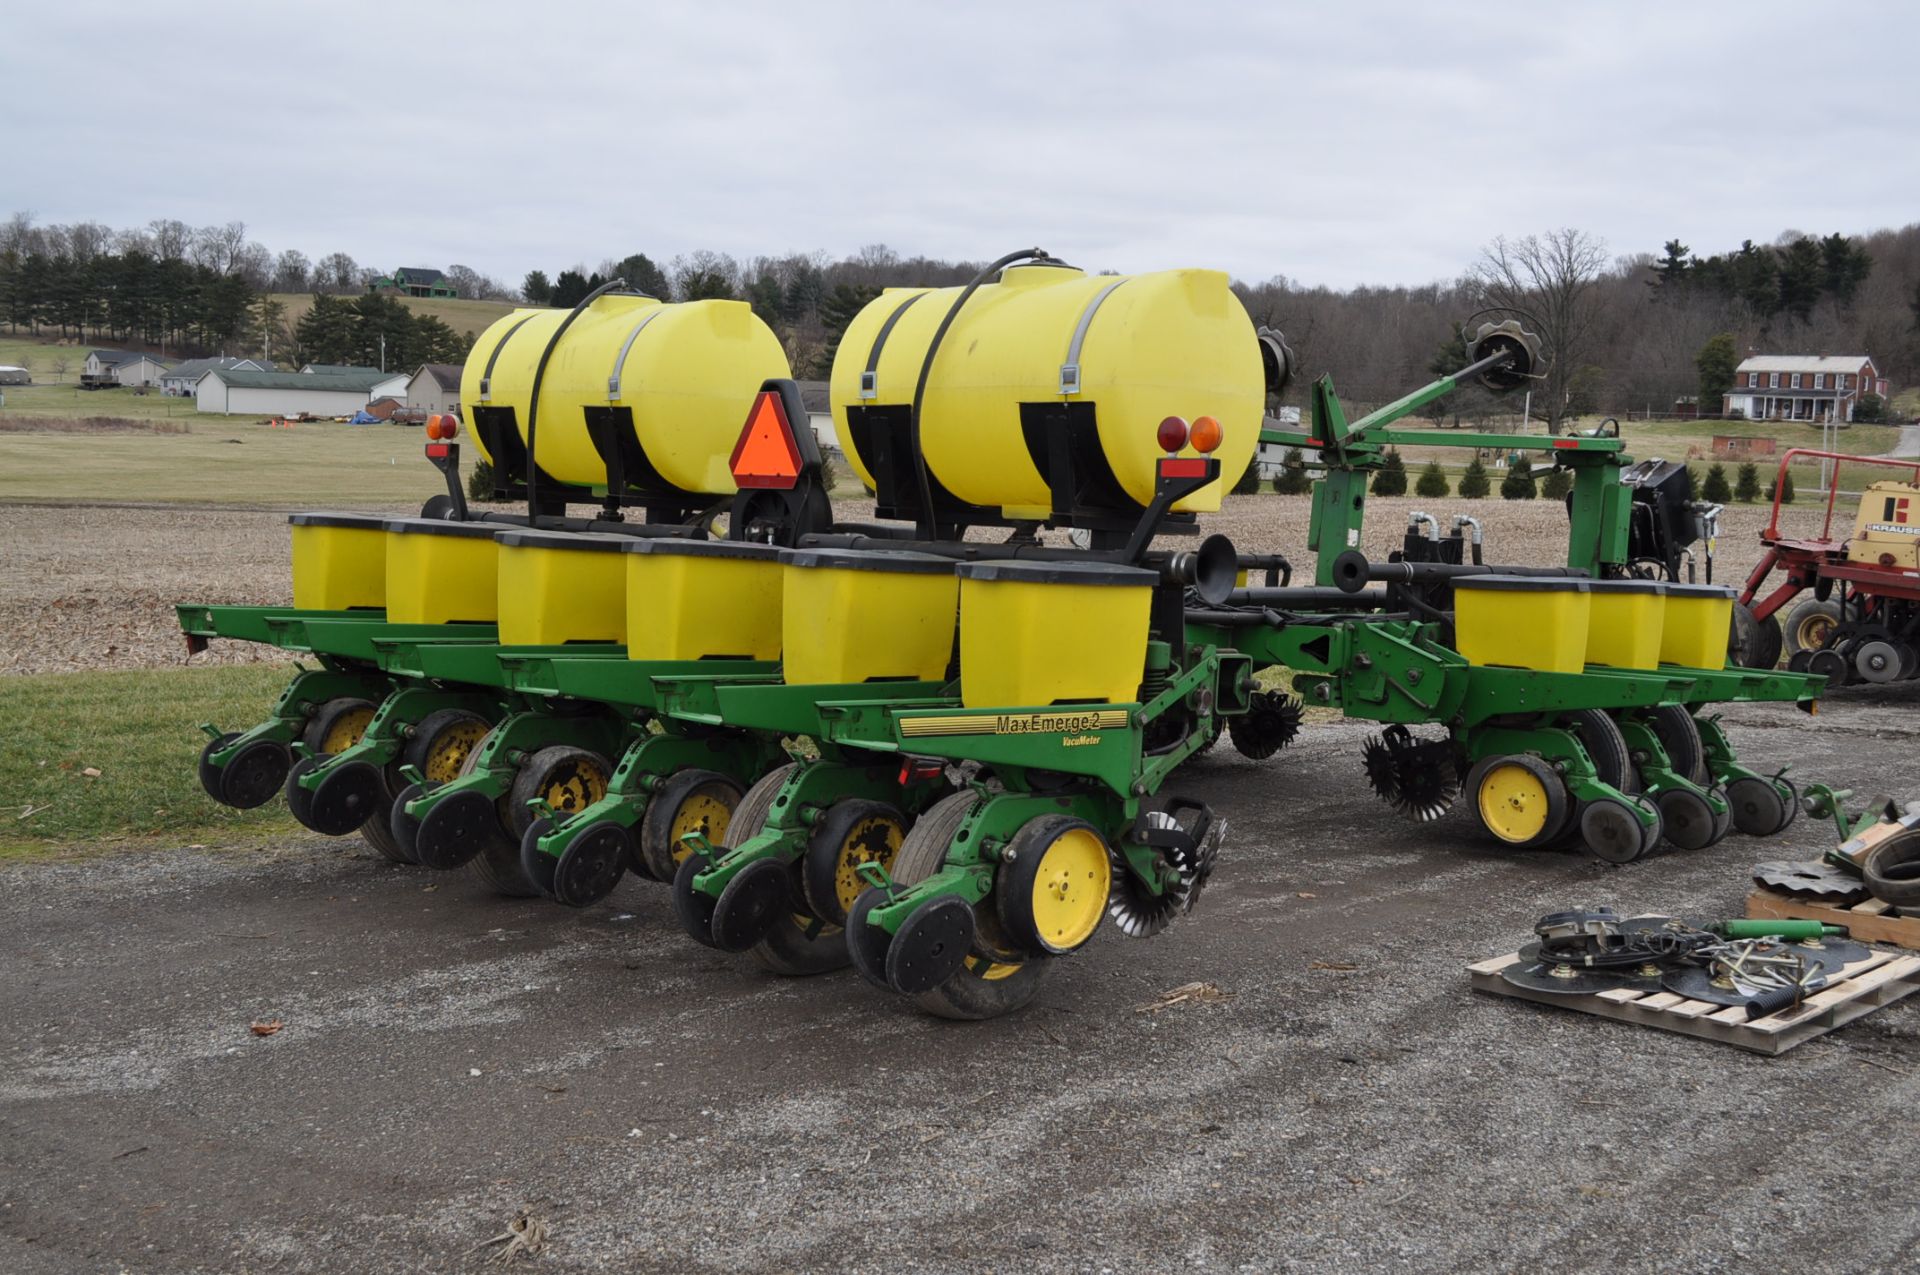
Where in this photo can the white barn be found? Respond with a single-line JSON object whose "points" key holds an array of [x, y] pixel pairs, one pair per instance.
{"points": [[181, 378], [235, 393]]}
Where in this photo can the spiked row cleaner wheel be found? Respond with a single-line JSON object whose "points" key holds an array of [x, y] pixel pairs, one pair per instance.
{"points": [[1416, 777]]}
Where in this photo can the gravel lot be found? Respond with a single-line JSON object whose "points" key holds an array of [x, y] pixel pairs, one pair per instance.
{"points": [[94, 587], [451, 1062]]}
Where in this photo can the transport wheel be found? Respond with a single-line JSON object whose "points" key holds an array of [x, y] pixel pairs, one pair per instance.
{"points": [[440, 743], [1769, 640], [983, 987], [1688, 820], [537, 866], [852, 832], [1679, 735], [1052, 884], [337, 726], [255, 774], [1518, 798], [689, 801], [377, 832], [1877, 661], [592, 865], [571, 779], [1809, 623], [1892, 871], [1759, 809], [1611, 831], [211, 778], [1743, 638]]}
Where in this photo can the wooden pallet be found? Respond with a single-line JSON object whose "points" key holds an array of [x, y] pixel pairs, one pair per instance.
{"points": [[1871, 922], [1880, 979]]}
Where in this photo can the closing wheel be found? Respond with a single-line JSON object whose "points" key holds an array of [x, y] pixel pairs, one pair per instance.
{"points": [[930, 946], [1518, 798], [867, 944], [759, 894], [537, 865], [1877, 661], [988, 983], [569, 779], [592, 865], [1909, 660], [299, 800], [1052, 884], [1809, 623], [688, 801], [853, 831], [1689, 821], [347, 796], [1759, 808], [693, 908], [1610, 830], [1722, 822], [255, 773], [404, 827], [211, 777]]}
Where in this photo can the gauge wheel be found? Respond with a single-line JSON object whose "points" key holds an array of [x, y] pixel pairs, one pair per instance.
{"points": [[1052, 885], [854, 831], [686, 802], [1518, 799]]}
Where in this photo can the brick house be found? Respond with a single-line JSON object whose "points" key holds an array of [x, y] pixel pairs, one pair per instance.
{"points": [[1803, 387]]}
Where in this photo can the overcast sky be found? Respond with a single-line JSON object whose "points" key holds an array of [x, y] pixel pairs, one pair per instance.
{"points": [[1333, 143]]}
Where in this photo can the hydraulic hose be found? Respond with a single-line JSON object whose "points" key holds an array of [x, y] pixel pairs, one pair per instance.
{"points": [[1353, 572], [539, 374], [926, 525]]}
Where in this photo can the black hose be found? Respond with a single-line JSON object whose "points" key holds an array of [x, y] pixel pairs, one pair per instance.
{"points": [[539, 374], [925, 524]]}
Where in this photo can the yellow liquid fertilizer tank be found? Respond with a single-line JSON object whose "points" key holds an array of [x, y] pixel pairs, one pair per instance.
{"points": [[678, 381], [1045, 345]]}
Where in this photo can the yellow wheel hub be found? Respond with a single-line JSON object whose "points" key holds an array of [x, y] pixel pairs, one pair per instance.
{"points": [[1813, 631], [875, 839], [344, 731], [701, 813], [574, 787], [449, 750], [1070, 889], [1513, 803]]}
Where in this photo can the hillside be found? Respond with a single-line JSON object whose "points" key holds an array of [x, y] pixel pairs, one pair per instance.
{"points": [[462, 316]]}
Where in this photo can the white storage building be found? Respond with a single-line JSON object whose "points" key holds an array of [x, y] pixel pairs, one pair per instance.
{"points": [[235, 393]]}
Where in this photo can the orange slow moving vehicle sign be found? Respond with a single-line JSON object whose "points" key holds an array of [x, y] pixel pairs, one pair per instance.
{"points": [[766, 455]]}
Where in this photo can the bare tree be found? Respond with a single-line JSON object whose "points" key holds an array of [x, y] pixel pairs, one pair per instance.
{"points": [[1552, 278], [171, 239], [337, 273], [60, 364], [219, 247], [291, 271], [254, 264]]}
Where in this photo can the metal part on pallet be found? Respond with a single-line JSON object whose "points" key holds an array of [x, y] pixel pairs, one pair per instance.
{"points": [[1812, 879]]}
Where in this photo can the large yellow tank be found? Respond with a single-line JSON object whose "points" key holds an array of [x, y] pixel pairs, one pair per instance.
{"points": [[687, 372], [1138, 347]]}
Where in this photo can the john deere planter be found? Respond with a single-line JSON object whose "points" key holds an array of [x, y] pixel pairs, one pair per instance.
{"points": [[1571, 703]]}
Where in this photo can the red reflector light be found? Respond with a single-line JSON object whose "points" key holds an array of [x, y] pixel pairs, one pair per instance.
{"points": [[921, 769], [1172, 434], [1564, 443], [1183, 467], [438, 451], [766, 455]]}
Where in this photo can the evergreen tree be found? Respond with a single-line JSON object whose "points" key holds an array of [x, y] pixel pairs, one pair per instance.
{"points": [[1474, 483], [837, 311], [1293, 480], [1391, 478], [1249, 479], [1785, 485], [1801, 275], [1746, 487], [537, 288], [1845, 265], [1670, 272], [1519, 483], [1556, 484], [1432, 482], [1714, 489], [643, 275], [1871, 409], [569, 290], [1715, 363]]}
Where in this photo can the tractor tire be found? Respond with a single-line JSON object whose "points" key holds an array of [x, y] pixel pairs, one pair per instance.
{"points": [[1809, 623], [1756, 643]]}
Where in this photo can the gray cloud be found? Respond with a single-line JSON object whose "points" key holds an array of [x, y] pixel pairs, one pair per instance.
{"points": [[1337, 144]]}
